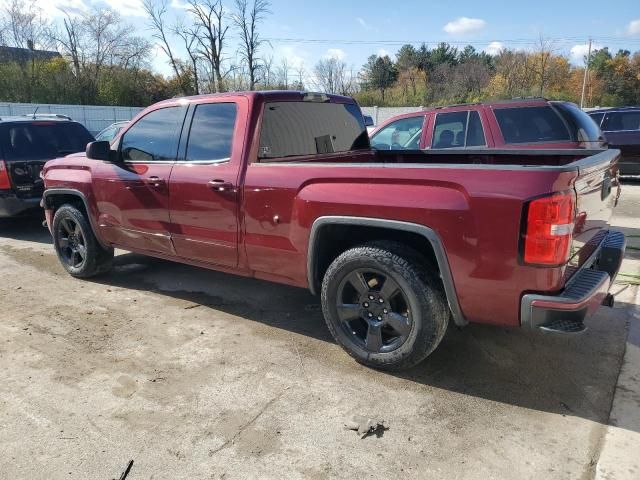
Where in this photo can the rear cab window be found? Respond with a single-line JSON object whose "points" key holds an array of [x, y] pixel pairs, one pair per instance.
{"points": [[531, 125], [42, 140], [299, 128], [458, 130]]}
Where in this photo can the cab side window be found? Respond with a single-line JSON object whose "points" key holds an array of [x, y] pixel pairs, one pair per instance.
{"points": [[403, 134], [211, 135], [458, 130], [154, 137]]}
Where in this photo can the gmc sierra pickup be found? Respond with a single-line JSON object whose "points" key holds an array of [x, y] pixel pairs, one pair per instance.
{"points": [[284, 186]]}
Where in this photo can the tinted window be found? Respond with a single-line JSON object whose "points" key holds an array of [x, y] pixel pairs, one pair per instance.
{"points": [[597, 117], [154, 137], [42, 140], [451, 130], [307, 128], [582, 126], [211, 133], [616, 121], [401, 134], [531, 125]]}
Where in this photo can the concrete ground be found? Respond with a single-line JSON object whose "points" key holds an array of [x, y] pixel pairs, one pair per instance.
{"points": [[198, 374]]}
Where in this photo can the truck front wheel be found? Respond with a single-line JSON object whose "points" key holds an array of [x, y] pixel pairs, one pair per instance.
{"points": [[383, 305], [77, 247]]}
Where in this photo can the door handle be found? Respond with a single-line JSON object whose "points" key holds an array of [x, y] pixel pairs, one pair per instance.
{"points": [[220, 185], [154, 181]]}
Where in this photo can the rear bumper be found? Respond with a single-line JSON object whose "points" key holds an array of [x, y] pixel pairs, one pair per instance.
{"points": [[629, 167], [585, 291], [12, 206]]}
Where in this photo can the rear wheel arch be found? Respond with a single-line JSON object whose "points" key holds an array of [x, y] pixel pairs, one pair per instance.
{"points": [[332, 235]]}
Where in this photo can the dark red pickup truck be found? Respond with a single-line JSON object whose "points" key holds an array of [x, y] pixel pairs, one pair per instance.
{"points": [[284, 186]]}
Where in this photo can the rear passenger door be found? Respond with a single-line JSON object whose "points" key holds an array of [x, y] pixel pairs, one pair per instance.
{"points": [[622, 130], [461, 129], [204, 187]]}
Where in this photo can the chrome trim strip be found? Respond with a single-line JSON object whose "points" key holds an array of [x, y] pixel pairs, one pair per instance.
{"points": [[428, 233]]}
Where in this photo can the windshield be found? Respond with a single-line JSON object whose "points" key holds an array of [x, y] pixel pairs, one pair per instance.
{"points": [[308, 128], [42, 140]]}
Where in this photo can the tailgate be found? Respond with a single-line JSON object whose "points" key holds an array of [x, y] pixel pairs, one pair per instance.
{"points": [[597, 190], [25, 177]]}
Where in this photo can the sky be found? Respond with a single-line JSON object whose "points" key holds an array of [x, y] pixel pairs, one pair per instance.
{"points": [[304, 32]]}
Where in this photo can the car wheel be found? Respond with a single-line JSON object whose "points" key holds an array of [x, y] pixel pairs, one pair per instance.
{"points": [[384, 306], [76, 245]]}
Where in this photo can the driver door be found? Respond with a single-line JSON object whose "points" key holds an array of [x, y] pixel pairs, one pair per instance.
{"points": [[132, 194]]}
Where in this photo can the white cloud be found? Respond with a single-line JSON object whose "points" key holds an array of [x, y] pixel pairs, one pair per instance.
{"points": [[494, 48], [579, 52], [634, 27], [336, 53], [464, 25], [127, 8], [56, 8], [382, 52], [180, 5]]}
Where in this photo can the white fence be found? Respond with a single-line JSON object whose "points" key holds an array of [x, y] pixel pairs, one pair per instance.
{"points": [[380, 114], [95, 118]]}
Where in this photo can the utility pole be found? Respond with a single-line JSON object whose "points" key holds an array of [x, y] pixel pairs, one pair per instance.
{"points": [[586, 72]]}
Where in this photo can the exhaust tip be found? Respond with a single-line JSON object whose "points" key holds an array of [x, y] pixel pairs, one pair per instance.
{"points": [[608, 301]]}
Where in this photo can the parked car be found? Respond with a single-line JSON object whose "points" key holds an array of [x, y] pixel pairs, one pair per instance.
{"points": [[621, 127], [109, 133], [284, 186], [26, 143], [517, 123]]}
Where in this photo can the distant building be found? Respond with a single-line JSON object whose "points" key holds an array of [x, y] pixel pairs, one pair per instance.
{"points": [[23, 55]]}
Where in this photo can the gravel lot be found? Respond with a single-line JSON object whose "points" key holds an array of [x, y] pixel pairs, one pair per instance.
{"points": [[197, 374]]}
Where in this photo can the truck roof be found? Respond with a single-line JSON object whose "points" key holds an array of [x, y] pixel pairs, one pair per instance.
{"points": [[271, 95]]}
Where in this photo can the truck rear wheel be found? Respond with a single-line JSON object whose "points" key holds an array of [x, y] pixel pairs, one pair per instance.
{"points": [[77, 247], [383, 306]]}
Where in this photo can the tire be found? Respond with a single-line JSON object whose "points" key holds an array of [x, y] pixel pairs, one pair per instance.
{"points": [[78, 250], [411, 322]]}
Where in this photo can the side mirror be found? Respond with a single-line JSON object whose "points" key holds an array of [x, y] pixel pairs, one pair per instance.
{"points": [[368, 121], [100, 150]]}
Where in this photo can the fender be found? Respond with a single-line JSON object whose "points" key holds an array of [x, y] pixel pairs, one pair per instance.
{"points": [[430, 235], [51, 192]]}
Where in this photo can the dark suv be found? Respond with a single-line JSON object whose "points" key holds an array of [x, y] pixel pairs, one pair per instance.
{"points": [[621, 127], [26, 143]]}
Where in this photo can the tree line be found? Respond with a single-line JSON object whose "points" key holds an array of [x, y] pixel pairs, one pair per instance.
{"points": [[216, 48]]}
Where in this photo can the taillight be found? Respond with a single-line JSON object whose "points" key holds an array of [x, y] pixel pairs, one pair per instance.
{"points": [[549, 229], [4, 176]]}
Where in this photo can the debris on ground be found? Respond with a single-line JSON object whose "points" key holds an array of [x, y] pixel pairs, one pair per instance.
{"points": [[366, 426], [126, 470]]}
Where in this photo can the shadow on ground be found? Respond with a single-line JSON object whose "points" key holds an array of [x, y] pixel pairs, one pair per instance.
{"points": [[28, 229], [573, 376]]}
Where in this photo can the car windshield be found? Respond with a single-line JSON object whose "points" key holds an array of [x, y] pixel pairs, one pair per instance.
{"points": [[42, 140]]}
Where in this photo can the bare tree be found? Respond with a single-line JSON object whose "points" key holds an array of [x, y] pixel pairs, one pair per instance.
{"points": [[246, 19], [283, 73], [95, 41], [25, 25], [545, 50], [156, 11], [211, 17], [190, 38]]}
